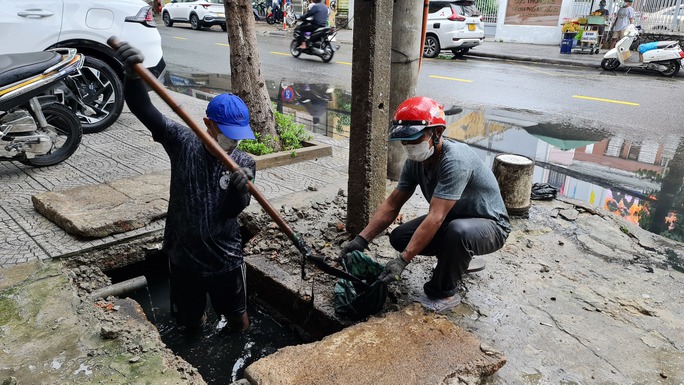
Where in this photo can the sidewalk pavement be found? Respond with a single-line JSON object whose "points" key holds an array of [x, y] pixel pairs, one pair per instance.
{"points": [[491, 49]]}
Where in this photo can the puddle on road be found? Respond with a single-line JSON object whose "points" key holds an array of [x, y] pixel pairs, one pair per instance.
{"points": [[639, 181]]}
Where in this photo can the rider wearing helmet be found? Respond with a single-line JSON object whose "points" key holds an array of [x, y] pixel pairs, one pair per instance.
{"points": [[467, 215], [318, 13]]}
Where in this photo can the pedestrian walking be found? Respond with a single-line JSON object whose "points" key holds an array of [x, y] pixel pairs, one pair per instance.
{"points": [[624, 17]]}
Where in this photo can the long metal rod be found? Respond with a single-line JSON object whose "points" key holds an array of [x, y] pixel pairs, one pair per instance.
{"points": [[216, 150]]}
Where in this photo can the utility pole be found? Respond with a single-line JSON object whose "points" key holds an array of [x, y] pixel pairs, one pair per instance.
{"points": [[370, 111], [406, 53]]}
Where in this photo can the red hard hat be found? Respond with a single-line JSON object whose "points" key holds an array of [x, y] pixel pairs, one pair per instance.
{"points": [[415, 115]]}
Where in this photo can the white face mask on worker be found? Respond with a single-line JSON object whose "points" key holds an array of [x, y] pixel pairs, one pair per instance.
{"points": [[419, 152], [227, 144]]}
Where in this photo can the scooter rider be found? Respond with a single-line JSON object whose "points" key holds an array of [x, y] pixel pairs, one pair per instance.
{"points": [[319, 15]]}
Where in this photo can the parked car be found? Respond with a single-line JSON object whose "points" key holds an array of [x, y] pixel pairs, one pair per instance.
{"points": [[199, 13], [662, 21], [452, 25], [37, 25]]}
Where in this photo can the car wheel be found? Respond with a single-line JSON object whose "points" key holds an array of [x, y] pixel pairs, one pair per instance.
{"points": [[431, 48], [96, 95], [167, 19], [224, 27], [458, 52], [195, 22]]}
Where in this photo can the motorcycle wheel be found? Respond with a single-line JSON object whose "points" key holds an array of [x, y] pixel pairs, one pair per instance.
{"points": [[672, 68], [328, 53], [103, 101], [269, 20], [610, 64], [65, 132], [294, 50]]}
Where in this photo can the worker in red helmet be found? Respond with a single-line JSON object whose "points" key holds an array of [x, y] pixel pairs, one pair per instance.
{"points": [[467, 215]]}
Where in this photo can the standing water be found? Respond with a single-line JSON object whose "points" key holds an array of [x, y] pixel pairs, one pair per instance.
{"points": [[219, 355]]}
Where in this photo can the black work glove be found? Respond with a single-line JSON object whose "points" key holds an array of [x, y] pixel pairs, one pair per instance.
{"points": [[129, 56], [393, 270], [239, 178], [356, 244]]}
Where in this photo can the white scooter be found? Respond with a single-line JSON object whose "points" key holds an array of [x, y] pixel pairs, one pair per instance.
{"points": [[664, 56]]}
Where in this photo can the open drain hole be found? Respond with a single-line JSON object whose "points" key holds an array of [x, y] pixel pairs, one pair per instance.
{"points": [[219, 356]]}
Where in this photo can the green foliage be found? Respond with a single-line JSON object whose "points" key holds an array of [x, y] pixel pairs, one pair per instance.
{"points": [[291, 135]]}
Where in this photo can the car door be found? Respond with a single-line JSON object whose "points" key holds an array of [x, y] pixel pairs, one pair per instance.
{"points": [[174, 9], [31, 25], [184, 9]]}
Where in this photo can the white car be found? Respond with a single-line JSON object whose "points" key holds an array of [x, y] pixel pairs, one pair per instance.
{"points": [[662, 21], [37, 25], [452, 25], [199, 13]]}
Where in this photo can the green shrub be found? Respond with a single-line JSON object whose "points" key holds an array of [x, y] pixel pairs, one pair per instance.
{"points": [[291, 133]]}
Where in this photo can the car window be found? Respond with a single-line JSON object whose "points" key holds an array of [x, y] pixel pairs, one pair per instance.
{"points": [[435, 6], [465, 10]]}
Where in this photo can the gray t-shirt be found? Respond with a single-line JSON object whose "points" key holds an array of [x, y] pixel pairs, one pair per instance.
{"points": [[463, 177], [624, 14]]}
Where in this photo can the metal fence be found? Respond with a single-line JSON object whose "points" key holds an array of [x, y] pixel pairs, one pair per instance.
{"points": [[489, 10], [653, 16]]}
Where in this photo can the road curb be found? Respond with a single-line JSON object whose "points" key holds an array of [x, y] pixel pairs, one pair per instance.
{"points": [[534, 59]]}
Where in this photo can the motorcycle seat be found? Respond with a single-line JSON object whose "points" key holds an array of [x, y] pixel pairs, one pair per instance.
{"points": [[17, 66]]}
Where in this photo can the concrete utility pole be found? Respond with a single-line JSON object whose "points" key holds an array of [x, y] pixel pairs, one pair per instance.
{"points": [[370, 111], [407, 23]]}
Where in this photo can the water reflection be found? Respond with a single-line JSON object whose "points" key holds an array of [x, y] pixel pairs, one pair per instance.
{"points": [[639, 180]]}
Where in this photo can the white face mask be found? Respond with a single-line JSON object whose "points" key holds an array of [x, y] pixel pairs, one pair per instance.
{"points": [[227, 144], [419, 152]]}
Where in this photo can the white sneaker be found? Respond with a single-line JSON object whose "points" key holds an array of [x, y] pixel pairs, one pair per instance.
{"points": [[440, 305]]}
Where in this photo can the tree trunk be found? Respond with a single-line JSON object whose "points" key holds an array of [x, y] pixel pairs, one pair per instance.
{"points": [[245, 68], [406, 51]]}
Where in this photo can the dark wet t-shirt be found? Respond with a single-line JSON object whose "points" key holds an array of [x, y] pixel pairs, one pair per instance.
{"points": [[202, 231]]}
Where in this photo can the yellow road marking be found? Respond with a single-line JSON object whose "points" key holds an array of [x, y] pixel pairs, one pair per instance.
{"points": [[605, 100], [280, 53], [180, 38], [223, 44], [344, 62], [448, 78]]}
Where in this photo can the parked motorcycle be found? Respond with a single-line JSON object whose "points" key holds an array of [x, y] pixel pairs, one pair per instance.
{"points": [[94, 93], [34, 128], [276, 16], [662, 56], [318, 43]]}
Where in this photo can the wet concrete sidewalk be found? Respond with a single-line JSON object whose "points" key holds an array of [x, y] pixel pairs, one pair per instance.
{"points": [[576, 295]]}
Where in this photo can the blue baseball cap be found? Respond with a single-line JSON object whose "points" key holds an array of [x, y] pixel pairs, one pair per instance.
{"points": [[231, 116]]}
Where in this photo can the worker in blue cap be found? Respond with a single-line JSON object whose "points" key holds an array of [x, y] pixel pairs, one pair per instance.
{"points": [[202, 237]]}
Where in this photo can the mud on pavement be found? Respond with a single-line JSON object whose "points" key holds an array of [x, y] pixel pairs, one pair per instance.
{"points": [[576, 296]]}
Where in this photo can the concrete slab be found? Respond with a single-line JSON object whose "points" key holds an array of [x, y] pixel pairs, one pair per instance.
{"points": [[404, 347], [96, 211]]}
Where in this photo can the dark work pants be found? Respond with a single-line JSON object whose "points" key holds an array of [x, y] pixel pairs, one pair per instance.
{"points": [[305, 28], [454, 244]]}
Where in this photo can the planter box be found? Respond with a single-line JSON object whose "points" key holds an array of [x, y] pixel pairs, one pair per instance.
{"points": [[310, 150]]}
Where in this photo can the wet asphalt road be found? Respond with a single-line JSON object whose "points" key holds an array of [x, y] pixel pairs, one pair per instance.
{"points": [[636, 105]]}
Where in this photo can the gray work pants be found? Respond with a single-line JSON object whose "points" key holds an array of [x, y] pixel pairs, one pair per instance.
{"points": [[454, 244]]}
